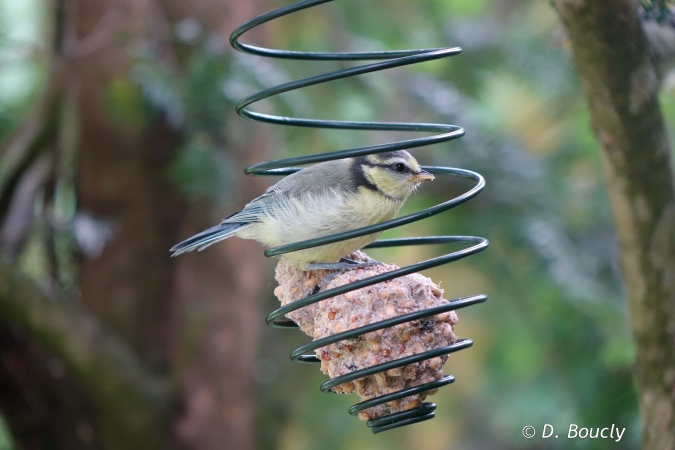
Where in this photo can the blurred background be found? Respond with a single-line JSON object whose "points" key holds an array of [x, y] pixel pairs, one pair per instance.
{"points": [[118, 139]]}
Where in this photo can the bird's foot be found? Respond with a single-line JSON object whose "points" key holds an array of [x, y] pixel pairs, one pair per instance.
{"points": [[340, 267], [343, 265]]}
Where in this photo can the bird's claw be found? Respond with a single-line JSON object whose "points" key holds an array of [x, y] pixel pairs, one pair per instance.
{"points": [[342, 266]]}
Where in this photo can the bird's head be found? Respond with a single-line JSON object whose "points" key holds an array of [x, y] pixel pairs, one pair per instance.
{"points": [[394, 174]]}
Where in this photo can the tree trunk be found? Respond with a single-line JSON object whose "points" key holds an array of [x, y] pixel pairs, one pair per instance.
{"points": [[65, 382], [195, 318], [610, 52], [207, 319], [122, 179], [226, 283]]}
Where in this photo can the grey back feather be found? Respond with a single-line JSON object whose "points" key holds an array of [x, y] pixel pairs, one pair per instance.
{"points": [[318, 178], [314, 180]]}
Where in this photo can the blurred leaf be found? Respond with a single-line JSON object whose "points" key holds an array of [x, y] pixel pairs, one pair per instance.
{"points": [[5, 436], [125, 103], [202, 170]]}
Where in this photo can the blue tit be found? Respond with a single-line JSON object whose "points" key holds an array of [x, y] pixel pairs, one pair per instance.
{"points": [[323, 199]]}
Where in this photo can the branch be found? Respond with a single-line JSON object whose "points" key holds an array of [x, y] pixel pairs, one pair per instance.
{"points": [[131, 402], [35, 132], [20, 215], [611, 55]]}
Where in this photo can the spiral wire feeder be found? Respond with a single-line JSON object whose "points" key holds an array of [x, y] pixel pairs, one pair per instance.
{"points": [[385, 60]]}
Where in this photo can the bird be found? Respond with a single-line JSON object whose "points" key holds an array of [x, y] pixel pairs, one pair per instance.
{"points": [[319, 200]]}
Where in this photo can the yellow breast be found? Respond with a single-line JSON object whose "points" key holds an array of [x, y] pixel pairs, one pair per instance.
{"points": [[310, 218]]}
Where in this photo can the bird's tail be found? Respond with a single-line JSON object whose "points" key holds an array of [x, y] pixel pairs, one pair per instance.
{"points": [[207, 237]]}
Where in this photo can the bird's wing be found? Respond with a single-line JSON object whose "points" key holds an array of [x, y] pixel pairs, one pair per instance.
{"points": [[256, 207], [318, 179], [314, 180]]}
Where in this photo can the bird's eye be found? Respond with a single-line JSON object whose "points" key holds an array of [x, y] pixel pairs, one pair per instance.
{"points": [[399, 167]]}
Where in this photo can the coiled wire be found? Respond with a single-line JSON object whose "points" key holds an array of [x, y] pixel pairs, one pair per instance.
{"points": [[386, 60]]}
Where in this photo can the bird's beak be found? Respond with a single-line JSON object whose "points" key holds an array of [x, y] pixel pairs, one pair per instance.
{"points": [[423, 175]]}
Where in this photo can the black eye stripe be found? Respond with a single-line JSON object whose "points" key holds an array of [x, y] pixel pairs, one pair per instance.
{"points": [[390, 166]]}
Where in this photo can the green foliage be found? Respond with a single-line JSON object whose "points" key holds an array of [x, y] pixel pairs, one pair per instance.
{"points": [[193, 102], [125, 103], [657, 9], [5, 436], [201, 169], [21, 62], [552, 345]]}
